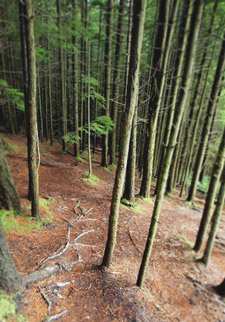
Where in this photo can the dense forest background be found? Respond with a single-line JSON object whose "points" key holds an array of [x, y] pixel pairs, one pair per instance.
{"points": [[142, 82]]}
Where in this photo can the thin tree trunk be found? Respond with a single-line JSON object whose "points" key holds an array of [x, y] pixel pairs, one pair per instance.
{"points": [[156, 97], [132, 91], [62, 79], [209, 203], [116, 81], [188, 69], [89, 116], [129, 189], [75, 84], [207, 124], [32, 143], [107, 61], [215, 221]]}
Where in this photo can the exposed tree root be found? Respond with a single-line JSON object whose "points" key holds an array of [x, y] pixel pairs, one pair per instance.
{"points": [[56, 316], [40, 275], [59, 252]]}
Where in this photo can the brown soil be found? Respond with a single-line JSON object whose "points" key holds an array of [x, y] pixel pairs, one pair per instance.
{"points": [[176, 289]]}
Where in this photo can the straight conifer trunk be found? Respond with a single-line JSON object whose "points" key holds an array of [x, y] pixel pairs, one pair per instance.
{"points": [[32, 143], [188, 69], [209, 203], [215, 221], [75, 85], [116, 81], [107, 61], [132, 91], [159, 62], [207, 124]]}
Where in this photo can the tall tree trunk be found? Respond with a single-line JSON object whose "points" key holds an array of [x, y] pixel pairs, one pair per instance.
{"points": [[32, 143], [107, 61], [160, 60], [62, 79], [209, 203], [132, 91], [116, 81], [215, 221], [188, 69], [75, 83], [129, 189], [89, 115], [207, 123]]}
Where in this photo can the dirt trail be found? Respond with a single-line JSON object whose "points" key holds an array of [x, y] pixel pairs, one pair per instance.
{"points": [[176, 288]]}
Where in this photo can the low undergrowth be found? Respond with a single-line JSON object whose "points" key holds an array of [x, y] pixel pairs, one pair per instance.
{"points": [[8, 308], [92, 179], [12, 221]]}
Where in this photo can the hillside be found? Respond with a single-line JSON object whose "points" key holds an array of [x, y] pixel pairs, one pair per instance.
{"points": [[176, 288]]}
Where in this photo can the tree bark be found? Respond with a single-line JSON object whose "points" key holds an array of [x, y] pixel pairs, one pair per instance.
{"points": [[215, 221], [209, 203], [10, 280], [207, 123], [32, 143], [107, 61], [132, 91], [188, 69]]}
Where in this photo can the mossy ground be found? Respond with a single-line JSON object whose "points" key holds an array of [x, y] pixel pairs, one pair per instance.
{"points": [[148, 200], [133, 206], [8, 308], [92, 179], [13, 221]]}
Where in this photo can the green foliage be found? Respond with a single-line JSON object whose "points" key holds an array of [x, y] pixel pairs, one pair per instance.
{"points": [[8, 308], [113, 166], [92, 179], [106, 169], [84, 153], [203, 186], [12, 94], [41, 54], [102, 125], [80, 159], [71, 137]]}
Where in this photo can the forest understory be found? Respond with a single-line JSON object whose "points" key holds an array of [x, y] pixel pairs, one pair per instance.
{"points": [[177, 288]]}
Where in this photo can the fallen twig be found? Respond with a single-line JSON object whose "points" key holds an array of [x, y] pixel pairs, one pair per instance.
{"points": [[83, 234], [57, 285], [58, 252], [74, 209], [45, 297], [131, 238], [67, 220], [56, 316], [87, 211], [40, 274]]}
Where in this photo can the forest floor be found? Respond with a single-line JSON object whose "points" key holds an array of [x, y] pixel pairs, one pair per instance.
{"points": [[176, 288]]}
